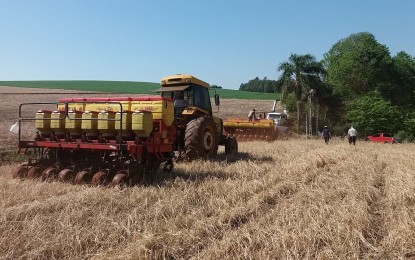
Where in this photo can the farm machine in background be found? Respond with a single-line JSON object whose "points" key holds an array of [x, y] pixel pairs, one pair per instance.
{"points": [[266, 126], [257, 129], [122, 140]]}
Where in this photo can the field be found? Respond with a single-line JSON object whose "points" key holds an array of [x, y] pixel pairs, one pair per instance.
{"points": [[129, 87], [288, 199]]}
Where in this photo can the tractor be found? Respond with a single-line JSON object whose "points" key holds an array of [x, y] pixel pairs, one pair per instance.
{"points": [[122, 140], [199, 132]]}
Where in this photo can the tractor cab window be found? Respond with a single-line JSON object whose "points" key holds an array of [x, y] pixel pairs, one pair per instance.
{"points": [[179, 99], [178, 95], [167, 94], [201, 98]]}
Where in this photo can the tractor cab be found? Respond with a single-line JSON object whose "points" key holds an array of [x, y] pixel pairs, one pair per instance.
{"points": [[190, 95]]}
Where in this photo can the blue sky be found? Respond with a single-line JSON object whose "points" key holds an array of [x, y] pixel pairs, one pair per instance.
{"points": [[224, 42]]}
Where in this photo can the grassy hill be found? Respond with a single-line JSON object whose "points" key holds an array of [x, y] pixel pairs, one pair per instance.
{"points": [[131, 87], [88, 85]]}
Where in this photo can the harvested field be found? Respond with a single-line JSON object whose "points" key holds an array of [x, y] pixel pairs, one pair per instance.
{"points": [[291, 199]]}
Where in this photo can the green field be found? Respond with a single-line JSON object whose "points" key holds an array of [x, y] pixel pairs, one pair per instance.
{"points": [[130, 87]]}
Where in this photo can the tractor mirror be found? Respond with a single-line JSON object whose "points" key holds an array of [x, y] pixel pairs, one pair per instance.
{"points": [[217, 101]]}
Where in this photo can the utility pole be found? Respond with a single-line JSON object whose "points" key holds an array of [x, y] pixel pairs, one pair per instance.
{"points": [[316, 112], [309, 118]]}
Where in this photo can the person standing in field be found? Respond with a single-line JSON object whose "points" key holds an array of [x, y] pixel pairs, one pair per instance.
{"points": [[326, 134], [352, 133], [251, 115]]}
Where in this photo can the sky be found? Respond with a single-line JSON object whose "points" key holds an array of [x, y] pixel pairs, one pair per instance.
{"points": [[223, 42]]}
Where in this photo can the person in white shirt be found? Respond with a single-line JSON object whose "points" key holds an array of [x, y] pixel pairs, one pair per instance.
{"points": [[352, 133]]}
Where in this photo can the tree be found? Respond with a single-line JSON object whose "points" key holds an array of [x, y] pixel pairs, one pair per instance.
{"points": [[300, 73], [402, 91], [258, 85], [357, 65], [371, 113], [409, 126]]}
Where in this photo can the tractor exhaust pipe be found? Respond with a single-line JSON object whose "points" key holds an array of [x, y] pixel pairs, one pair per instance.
{"points": [[274, 106]]}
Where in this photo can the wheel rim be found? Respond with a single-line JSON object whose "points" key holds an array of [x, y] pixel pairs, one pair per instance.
{"points": [[208, 140]]}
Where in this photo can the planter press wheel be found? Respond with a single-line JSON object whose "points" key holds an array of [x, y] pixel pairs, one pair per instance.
{"points": [[120, 178], [81, 177], [34, 172], [49, 173], [66, 175], [21, 172], [99, 178]]}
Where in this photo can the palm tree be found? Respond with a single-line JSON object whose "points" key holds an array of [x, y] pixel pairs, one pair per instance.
{"points": [[301, 73]]}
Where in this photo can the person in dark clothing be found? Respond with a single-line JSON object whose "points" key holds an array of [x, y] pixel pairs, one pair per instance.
{"points": [[251, 115], [326, 134]]}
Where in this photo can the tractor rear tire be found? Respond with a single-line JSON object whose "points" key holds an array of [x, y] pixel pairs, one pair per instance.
{"points": [[200, 141], [231, 149]]}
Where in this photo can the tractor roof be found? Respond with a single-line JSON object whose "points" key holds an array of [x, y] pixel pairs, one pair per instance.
{"points": [[182, 79]]}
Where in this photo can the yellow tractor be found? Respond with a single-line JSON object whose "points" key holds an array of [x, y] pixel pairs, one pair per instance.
{"points": [[199, 133], [122, 140]]}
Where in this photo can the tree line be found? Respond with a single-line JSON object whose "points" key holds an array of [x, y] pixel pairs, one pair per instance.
{"points": [[358, 82], [261, 85]]}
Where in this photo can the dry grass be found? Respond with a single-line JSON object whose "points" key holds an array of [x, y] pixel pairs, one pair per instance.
{"points": [[294, 199]]}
